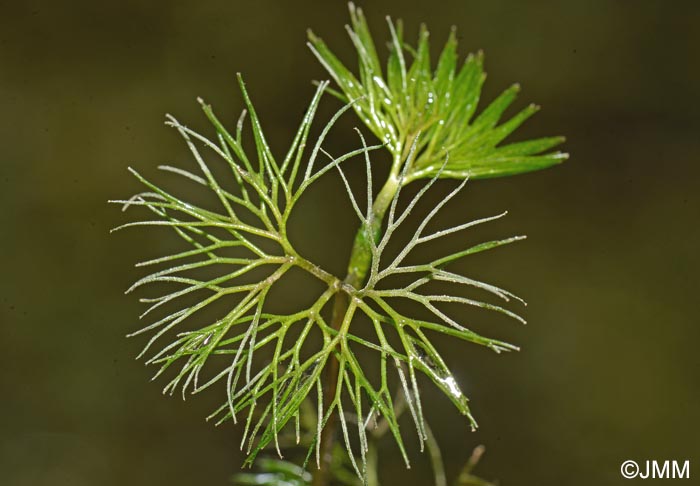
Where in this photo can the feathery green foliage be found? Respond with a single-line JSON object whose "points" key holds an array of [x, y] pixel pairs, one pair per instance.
{"points": [[269, 395], [438, 108], [271, 365]]}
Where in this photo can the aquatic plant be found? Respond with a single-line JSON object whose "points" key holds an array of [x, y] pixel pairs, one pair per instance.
{"points": [[300, 371]]}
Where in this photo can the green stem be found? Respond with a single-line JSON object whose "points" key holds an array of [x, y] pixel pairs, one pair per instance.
{"points": [[361, 254], [372, 464], [358, 266], [436, 458]]}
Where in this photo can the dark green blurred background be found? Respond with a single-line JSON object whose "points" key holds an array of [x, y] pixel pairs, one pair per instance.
{"points": [[609, 369]]}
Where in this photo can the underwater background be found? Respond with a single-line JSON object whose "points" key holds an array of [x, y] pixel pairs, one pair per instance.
{"points": [[609, 368]]}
